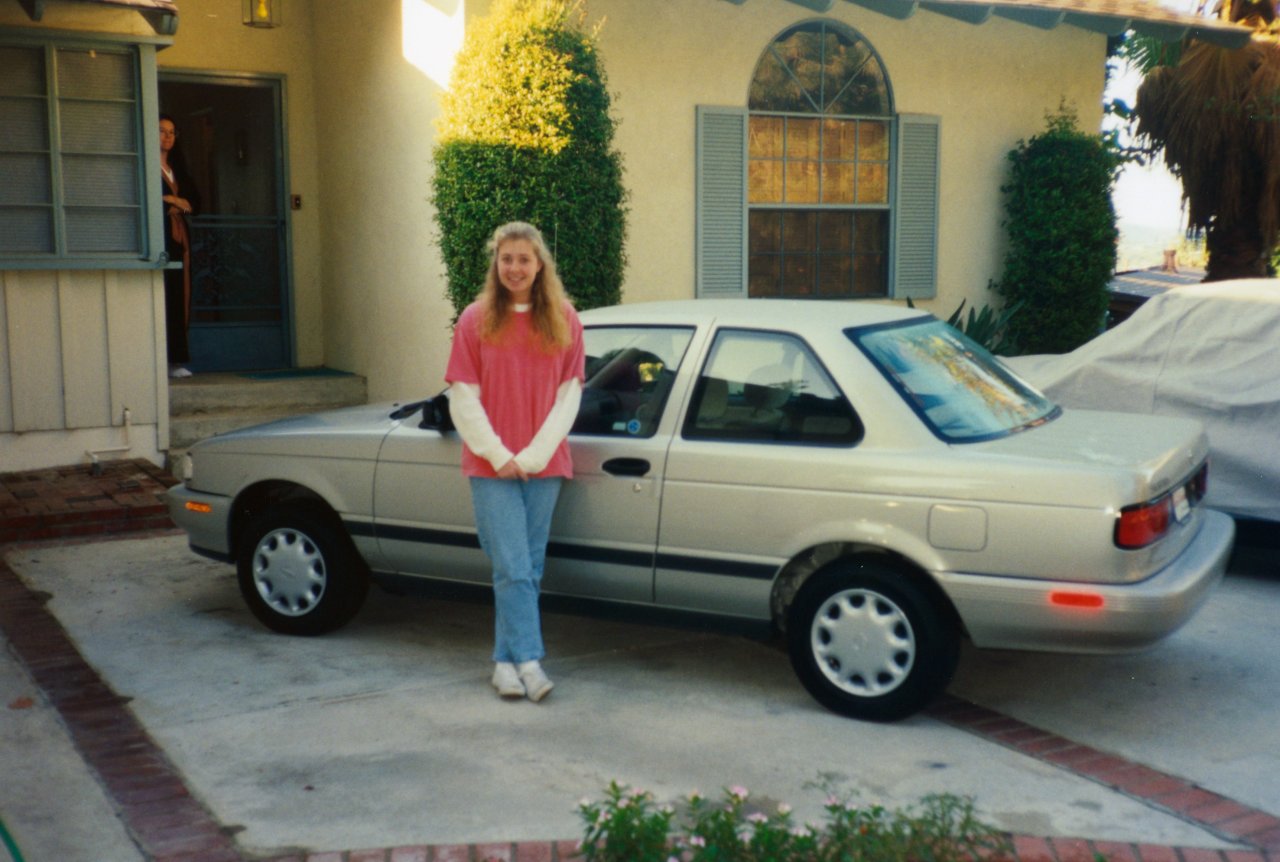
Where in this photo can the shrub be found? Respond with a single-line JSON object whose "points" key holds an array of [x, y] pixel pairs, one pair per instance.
{"points": [[1062, 237], [988, 327], [525, 134], [628, 826]]}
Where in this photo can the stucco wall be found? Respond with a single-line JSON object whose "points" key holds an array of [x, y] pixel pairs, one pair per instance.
{"points": [[991, 84], [385, 312], [211, 38], [385, 315]]}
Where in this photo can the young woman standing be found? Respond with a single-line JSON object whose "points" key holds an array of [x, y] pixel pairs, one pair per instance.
{"points": [[516, 373]]}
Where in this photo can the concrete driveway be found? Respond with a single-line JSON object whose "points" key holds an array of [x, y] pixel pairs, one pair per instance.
{"points": [[387, 734]]}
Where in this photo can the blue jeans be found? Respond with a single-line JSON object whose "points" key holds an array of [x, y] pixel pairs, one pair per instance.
{"points": [[513, 519]]}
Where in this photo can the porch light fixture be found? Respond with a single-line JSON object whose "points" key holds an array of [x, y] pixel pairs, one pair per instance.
{"points": [[260, 13]]}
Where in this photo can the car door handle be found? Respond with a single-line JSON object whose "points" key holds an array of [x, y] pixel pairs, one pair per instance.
{"points": [[626, 466]]}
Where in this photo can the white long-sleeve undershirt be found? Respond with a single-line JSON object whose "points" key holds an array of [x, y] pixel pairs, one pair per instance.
{"points": [[477, 432]]}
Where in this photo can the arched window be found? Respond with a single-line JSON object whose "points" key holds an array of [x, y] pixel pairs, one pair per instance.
{"points": [[820, 119], [817, 187]]}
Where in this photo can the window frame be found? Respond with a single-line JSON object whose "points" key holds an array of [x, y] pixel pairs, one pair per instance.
{"points": [[688, 426], [721, 215], [664, 391], [149, 253], [819, 114], [857, 334]]}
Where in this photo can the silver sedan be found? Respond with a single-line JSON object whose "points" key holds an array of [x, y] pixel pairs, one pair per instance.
{"points": [[860, 476]]}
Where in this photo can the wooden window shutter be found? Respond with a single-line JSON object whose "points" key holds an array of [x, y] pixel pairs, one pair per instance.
{"points": [[721, 203], [915, 223]]}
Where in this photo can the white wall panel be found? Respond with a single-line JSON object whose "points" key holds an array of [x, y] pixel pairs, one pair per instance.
{"points": [[132, 361], [82, 304], [35, 350], [76, 348]]}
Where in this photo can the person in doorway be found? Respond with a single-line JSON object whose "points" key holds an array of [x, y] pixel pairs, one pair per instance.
{"points": [[179, 196], [516, 374]]}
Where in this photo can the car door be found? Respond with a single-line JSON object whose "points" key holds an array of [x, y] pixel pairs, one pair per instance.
{"points": [[604, 534], [422, 505], [605, 531], [763, 421]]}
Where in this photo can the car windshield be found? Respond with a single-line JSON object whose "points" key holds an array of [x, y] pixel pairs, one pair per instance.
{"points": [[959, 389]]}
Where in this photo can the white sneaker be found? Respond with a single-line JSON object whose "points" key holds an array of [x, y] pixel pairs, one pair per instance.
{"points": [[179, 371], [536, 683], [506, 680]]}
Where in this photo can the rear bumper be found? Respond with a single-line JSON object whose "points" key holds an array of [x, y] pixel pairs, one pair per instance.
{"points": [[1016, 613], [205, 518]]}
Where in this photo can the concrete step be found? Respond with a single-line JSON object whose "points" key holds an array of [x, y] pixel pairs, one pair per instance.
{"points": [[207, 404], [203, 393]]}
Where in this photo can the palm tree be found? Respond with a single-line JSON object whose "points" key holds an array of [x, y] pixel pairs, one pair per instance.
{"points": [[1216, 114]]}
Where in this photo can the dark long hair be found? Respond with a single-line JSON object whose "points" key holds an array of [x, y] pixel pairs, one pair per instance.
{"points": [[178, 164]]}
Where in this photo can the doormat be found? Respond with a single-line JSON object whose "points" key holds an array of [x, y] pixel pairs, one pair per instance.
{"points": [[285, 373]]}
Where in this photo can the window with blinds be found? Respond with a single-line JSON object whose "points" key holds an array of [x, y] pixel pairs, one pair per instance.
{"points": [[71, 153]]}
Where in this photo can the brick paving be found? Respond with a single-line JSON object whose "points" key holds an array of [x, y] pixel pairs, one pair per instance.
{"points": [[62, 502], [169, 823]]}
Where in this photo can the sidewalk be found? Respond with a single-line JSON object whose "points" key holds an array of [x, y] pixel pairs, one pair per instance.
{"points": [[164, 819]]}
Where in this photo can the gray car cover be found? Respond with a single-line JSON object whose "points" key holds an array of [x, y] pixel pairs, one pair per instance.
{"points": [[1207, 351]]}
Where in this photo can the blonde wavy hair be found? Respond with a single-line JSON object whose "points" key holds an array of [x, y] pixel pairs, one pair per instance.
{"points": [[547, 297]]}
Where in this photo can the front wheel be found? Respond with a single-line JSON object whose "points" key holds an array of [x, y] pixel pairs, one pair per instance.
{"points": [[868, 642], [299, 573]]}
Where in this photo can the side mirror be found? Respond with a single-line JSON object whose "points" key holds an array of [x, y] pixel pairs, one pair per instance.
{"points": [[435, 414]]}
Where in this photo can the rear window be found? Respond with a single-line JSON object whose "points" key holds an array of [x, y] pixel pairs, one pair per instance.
{"points": [[962, 392]]}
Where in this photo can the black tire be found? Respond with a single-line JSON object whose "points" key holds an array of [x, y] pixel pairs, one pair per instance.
{"points": [[869, 642], [299, 572]]}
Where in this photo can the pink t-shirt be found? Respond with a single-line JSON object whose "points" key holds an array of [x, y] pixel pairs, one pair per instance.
{"points": [[518, 382]]}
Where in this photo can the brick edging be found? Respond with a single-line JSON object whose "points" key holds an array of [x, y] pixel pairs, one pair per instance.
{"points": [[166, 822], [1217, 814]]}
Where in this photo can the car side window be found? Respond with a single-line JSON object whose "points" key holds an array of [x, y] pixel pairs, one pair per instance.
{"points": [[629, 373], [768, 387]]}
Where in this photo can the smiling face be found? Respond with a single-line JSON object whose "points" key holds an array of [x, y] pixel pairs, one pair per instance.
{"points": [[518, 266]]}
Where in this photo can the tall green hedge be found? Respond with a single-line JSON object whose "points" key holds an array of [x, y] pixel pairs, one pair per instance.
{"points": [[525, 134], [1062, 235]]}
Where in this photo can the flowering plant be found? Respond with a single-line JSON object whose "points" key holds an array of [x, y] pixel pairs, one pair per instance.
{"points": [[628, 826]]}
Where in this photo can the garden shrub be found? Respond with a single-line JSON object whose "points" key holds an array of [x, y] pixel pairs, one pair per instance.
{"points": [[1062, 235], [525, 134], [627, 825]]}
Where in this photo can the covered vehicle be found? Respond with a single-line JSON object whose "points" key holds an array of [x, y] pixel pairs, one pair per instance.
{"points": [[1208, 352], [860, 476]]}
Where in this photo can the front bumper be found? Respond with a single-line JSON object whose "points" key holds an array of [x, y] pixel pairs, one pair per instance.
{"points": [[1017, 613], [205, 517]]}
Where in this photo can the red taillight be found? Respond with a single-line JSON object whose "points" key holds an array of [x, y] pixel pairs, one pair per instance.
{"points": [[1074, 599], [1139, 526]]}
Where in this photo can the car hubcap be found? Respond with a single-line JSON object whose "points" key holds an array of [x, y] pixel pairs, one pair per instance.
{"points": [[288, 570], [863, 642]]}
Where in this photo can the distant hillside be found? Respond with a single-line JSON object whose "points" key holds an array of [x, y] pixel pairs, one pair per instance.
{"points": [[1142, 246]]}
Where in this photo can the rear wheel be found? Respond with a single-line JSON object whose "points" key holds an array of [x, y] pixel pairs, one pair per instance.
{"points": [[299, 572], [868, 642]]}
